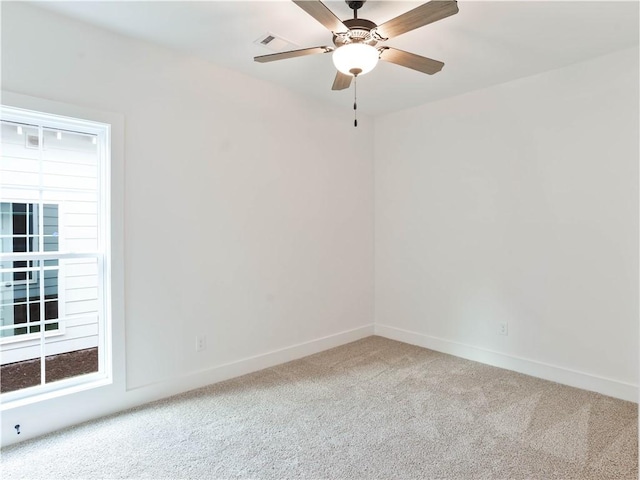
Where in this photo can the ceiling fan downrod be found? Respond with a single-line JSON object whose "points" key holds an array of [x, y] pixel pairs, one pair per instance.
{"points": [[355, 5]]}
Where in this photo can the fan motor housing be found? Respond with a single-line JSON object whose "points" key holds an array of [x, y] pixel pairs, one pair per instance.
{"points": [[359, 32]]}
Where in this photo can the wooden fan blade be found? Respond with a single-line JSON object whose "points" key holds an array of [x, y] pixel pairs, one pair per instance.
{"points": [[341, 81], [418, 17], [291, 54], [411, 60], [322, 14]]}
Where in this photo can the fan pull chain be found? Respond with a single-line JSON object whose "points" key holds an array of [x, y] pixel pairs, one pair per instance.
{"points": [[355, 101]]}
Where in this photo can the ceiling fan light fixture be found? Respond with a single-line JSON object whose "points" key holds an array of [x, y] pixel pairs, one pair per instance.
{"points": [[355, 58]]}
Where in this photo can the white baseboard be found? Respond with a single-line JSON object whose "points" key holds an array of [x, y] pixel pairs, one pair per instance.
{"points": [[585, 381], [201, 378], [43, 417], [39, 419]]}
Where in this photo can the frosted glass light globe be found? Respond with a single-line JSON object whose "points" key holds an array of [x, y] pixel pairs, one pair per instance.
{"points": [[355, 58]]}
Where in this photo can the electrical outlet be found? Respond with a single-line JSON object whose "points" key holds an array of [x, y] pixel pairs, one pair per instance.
{"points": [[503, 329], [201, 343]]}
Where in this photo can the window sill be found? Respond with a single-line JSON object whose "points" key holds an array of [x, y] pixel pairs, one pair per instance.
{"points": [[62, 388]]}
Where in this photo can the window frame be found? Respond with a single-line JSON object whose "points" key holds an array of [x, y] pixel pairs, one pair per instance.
{"points": [[104, 375]]}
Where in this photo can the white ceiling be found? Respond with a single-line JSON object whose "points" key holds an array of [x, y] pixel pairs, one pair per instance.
{"points": [[485, 44]]}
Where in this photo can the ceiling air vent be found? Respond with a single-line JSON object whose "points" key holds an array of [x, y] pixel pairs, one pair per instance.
{"points": [[275, 43], [267, 40]]}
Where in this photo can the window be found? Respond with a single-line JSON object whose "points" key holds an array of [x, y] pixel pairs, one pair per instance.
{"points": [[54, 226], [20, 297]]}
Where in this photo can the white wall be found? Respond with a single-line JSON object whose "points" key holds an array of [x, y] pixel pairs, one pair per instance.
{"points": [[518, 204], [248, 211]]}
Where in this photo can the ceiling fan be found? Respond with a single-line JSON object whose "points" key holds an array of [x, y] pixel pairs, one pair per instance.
{"points": [[356, 50]]}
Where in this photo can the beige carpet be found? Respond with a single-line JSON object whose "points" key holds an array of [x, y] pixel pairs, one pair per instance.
{"points": [[371, 409]]}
